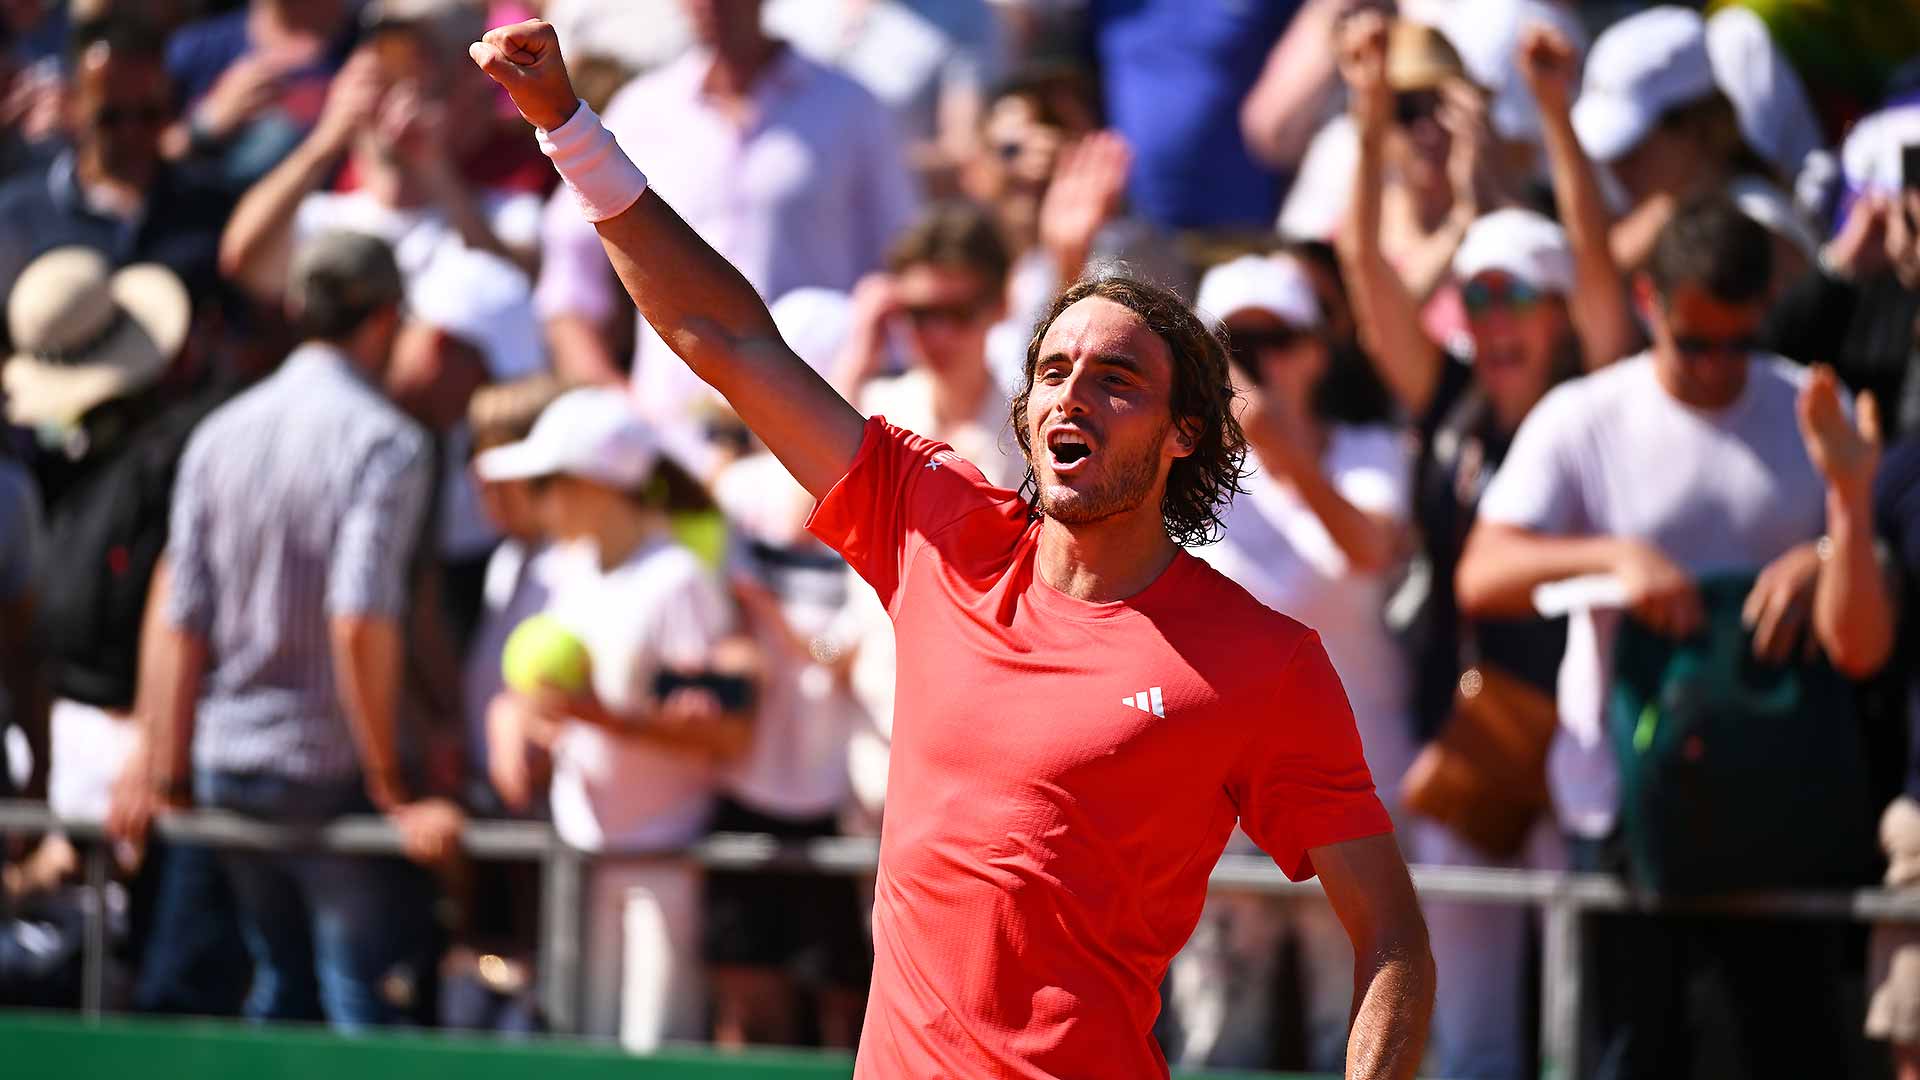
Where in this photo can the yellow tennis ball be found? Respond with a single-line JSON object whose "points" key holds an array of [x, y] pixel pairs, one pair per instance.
{"points": [[541, 653]]}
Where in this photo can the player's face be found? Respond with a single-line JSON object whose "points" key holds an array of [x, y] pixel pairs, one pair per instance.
{"points": [[1099, 417]]}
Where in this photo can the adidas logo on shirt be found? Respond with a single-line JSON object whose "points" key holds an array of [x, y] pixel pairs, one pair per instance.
{"points": [[1147, 700]]}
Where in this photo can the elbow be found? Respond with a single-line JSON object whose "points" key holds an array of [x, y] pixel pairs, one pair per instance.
{"points": [[1858, 654], [1473, 589]]}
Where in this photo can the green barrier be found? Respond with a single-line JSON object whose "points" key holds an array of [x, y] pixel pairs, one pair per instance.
{"points": [[45, 1046]]}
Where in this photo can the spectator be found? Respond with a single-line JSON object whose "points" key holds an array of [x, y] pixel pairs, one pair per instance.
{"points": [[1893, 1012], [1651, 112], [1858, 306], [1173, 84], [782, 947], [297, 507], [791, 169], [1320, 524], [639, 34], [395, 130], [94, 347], [112, 192], [22, 698], [633, 755], [1539, 301], [1848, 52], [930, 63], [253, 82], [1663, 468], [946, 283], [470, 323]]}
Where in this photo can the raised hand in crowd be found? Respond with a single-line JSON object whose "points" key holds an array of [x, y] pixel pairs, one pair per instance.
{"points": [[1362, 47], [353, 101], [1088, 184], [247, 87], [1598, 305], [1852, 612], [1902, 215]]}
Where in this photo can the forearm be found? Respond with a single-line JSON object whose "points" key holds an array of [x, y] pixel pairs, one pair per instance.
{"points": [[1369, 542], [1502, 565], [179, 659], [1598, 305], [1632, 237], [1287, 105], [1853, 613], [1430, 260], [1389, 325], [1393, 1002], [256, 244], [367, 660]]}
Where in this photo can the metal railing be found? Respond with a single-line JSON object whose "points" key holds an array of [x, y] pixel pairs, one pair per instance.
{"points": [[1561, 897]]}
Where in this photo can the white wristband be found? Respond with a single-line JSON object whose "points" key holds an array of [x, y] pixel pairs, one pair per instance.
{"points": [[602, 177]]}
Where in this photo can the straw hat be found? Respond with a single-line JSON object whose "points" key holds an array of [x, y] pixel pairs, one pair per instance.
{"points": [[85, 334]]}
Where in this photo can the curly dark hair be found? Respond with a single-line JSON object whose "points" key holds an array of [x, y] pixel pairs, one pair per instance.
{"points": [[1200, 485]]}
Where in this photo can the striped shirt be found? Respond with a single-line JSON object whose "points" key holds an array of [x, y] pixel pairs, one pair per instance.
{"points": [[298, 501]]}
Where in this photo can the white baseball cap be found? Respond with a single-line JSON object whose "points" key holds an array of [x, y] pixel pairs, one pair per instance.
{"points": [[1520, 243], [592, 433], [1486, 34], [1776, 116], [486, 302], [1275, 284], [1641, 67]]}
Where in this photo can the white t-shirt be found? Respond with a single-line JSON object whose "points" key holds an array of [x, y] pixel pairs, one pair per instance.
{"points": [[1613, 454], [797, 765], [417, 234], [659, 609], [516, 585], [1276, 548]]}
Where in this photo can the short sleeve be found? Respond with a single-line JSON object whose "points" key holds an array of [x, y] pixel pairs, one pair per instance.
{"points": [[1538, 487], [373, 550], [1376, 475], [190, 591], [1303, 781], [692, 621], [575, 277], [900, 490]]}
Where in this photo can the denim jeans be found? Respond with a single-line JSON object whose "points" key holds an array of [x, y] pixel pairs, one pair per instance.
{"points": [[333, 937], [192, 958]]}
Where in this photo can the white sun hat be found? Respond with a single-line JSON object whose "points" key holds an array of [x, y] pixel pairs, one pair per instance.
{"points": [[84, 334]]}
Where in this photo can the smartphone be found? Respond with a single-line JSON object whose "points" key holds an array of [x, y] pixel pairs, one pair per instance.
{"points": [[734, 692], [1910, 165]]}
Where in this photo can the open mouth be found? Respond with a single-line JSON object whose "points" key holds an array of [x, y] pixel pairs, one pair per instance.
{"points": [[1068, 450]]}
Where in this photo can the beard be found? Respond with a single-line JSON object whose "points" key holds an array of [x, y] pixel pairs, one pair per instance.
{"points": [[1124, 481]]}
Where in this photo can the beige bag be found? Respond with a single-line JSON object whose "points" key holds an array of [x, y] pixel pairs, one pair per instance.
{"points": [[1485, 775]]}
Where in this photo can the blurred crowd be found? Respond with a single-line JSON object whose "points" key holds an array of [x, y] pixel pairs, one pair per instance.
{"points": [[1574, 343]]}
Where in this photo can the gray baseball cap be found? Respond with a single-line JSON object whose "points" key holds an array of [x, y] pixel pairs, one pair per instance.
{"points": [[340, 270]]}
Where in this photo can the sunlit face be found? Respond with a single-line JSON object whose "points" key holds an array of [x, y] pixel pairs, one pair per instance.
{"points": [[511, 507], [1289, 360], [1516, 331], [948, 311], [570, 509], [1701, 344], [1099, 415]]}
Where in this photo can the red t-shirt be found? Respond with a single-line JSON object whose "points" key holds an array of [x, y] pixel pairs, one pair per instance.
{"points": [[1064, 776]]}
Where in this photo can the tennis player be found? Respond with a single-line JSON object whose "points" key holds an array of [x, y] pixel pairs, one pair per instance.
{"points": [[1084, 710]]}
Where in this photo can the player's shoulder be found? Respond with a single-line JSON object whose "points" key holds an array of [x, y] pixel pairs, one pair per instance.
{"points": [[1234, 620]]}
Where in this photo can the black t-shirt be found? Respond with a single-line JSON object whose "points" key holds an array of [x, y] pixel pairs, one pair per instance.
{"points": [[1865, 330], [1460, 447], [1896, 511]]}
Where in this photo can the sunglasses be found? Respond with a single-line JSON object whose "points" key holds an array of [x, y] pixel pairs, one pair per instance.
{"points": [[1410, 106], [950, 314], [120, 115], [1484, 297], [1698, 345], [1247, 346]]}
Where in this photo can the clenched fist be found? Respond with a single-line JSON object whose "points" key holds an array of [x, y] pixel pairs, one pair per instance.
{"points": [[525, 59]]}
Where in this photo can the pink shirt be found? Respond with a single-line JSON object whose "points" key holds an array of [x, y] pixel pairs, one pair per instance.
{"points": [[809, 190]]}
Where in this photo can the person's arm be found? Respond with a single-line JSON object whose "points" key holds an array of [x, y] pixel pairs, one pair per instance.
{"points": [[1502, 565], [1408, 362], [1598, 305], [574, 296], [698, 303], [1367, 883], [1853, 615], [257, 246], [1370, 541], [367, 652], [1290, 100], [1082, 196]]}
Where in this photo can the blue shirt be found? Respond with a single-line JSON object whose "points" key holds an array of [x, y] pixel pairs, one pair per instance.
{"points": [[1174, 73]]}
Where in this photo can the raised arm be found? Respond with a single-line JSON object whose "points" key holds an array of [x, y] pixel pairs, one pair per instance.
{"points": [[698, 303], [1601, 316], [1853, 614], [1407, 360]]}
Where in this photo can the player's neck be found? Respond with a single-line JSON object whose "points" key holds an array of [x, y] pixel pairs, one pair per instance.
{"points": [[1108, 560]]}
